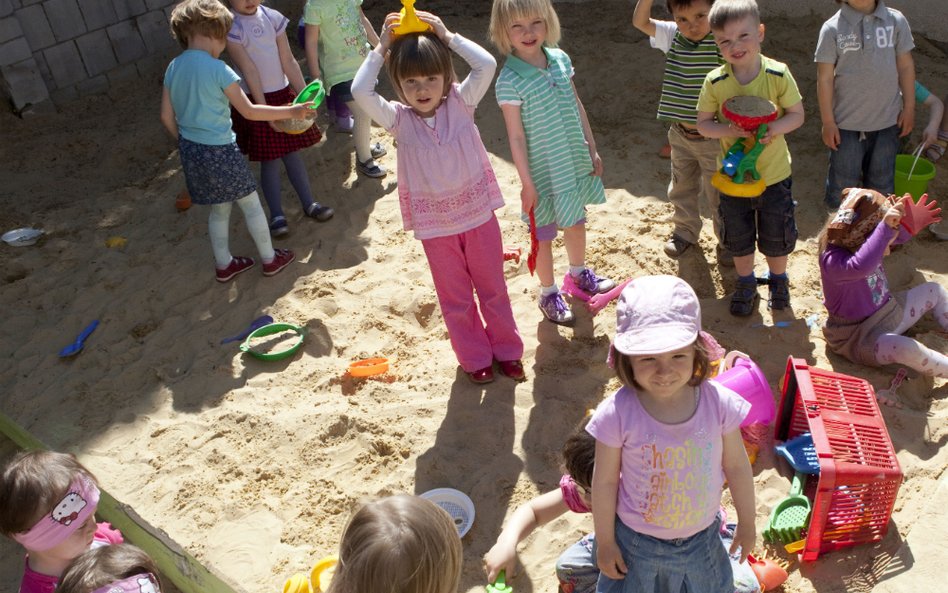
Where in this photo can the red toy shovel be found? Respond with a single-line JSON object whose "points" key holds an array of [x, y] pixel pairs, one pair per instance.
{"points": [[534, 244]]}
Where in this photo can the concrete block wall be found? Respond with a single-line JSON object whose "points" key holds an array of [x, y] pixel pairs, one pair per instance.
{"points": [[52, 51]]}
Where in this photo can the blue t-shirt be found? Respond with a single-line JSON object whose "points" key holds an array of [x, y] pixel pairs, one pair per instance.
{"points": [[196, 82], [921, 93]]}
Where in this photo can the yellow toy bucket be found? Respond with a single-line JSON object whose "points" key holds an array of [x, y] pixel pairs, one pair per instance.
{"points": [[912, 175]]}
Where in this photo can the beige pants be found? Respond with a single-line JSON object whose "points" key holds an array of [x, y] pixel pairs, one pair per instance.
{"points": [[693, 162]]}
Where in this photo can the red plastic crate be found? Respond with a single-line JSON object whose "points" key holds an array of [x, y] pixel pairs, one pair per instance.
{"points": [[859, 472]]}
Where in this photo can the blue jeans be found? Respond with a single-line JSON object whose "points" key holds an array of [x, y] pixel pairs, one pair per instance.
{"points": [[696, 564], [862, 159], [767, 220], [576, 568]]}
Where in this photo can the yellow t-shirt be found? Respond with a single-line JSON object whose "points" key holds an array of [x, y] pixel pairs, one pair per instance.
{"points": [[775, 83]]}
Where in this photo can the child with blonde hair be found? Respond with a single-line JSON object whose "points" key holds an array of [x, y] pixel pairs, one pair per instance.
{"points": [[336, 41], [765, 222], [123, 568], [47, 505], [399, 544], [196, 97], [446, 186], [665, 443], [551, 143], [259, 48]]}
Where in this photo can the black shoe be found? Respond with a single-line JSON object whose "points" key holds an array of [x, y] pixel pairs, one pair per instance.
{"points": [[675, 246], [319, 212], [779, 293], [725, 259], [745, 298]]}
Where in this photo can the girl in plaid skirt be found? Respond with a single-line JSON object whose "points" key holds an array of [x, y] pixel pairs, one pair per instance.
{"points": [[270, 75]]}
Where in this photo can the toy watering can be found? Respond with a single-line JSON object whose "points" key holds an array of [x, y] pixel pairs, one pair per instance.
{"points": [[743, 376], [408, 21]]}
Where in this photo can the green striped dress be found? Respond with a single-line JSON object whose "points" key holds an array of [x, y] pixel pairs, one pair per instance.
{"points": [[557, 152]]}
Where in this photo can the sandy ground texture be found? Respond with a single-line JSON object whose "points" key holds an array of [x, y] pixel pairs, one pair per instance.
{"points": [[254, 466]]}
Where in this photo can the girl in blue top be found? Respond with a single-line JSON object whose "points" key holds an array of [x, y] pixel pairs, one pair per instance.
{"points": [[195, 108]]}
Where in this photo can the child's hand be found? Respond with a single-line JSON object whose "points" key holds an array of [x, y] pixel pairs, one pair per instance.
{"points": [[500, 557], [597, 164], [893, 216], [745, 538], [300, 111], [386, 36], [609, 559], [906, 121], [528, 198], [436, 25], [831, 136], [737, 132]]}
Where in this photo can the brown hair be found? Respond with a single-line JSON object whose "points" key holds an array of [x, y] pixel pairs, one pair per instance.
{"points": [[400, 544], [726, 11], [32, 484], [106, 564], [200, 17], [504, 12], [579, 454], [701, 371], [416, 55], [674, 5]]}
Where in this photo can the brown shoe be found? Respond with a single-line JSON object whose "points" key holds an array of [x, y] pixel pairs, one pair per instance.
{"points": [[484, 375], [512, 369]]}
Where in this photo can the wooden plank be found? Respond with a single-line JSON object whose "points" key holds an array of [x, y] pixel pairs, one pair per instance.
{"points": [[174, 563]]}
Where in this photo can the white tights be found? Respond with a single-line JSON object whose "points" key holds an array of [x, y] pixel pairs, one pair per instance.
{"points": [[218, 226], [894, 348], [361, 131]]}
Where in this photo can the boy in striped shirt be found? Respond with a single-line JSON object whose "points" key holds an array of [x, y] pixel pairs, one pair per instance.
{"points": [[690, 53]]}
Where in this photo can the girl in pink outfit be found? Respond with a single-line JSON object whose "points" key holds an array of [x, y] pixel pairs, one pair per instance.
{"points": [[47, 505], [446, 187], [665, 443]]}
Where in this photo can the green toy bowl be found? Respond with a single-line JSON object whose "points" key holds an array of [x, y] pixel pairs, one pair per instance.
{"points": [[269, 330], [314, 92]]}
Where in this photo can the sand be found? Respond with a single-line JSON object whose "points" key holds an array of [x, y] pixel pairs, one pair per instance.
{"points": [[253, 466]]}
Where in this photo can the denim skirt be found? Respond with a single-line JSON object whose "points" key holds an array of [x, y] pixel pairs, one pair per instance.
{"points": [[215, 174], [696, 564]]}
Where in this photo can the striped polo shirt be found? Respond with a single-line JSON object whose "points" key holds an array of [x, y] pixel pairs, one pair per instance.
{"points": [[686, 65]]}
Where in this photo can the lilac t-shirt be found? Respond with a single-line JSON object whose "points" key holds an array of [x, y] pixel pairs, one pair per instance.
{"points": [[854, 284], [671, 474]]}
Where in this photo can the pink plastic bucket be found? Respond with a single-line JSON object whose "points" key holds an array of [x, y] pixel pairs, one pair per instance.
{"points": [[745, 378]]}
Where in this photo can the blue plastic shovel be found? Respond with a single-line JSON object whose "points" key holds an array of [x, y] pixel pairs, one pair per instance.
{"points": [[254, 325], [75, 347]]}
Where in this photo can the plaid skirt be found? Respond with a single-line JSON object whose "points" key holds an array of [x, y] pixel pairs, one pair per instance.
{"points": [[215, 174], [260, 142]]}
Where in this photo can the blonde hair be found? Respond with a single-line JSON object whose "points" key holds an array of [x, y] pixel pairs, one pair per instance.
{"points": [[200, 17], [505, 12], [32, 484], [700, 371], [100, 566], [726, 11], [417, 55], [400, 544]]}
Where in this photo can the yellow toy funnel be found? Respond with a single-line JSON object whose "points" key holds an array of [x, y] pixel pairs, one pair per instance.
{"points": [[408, 21]]}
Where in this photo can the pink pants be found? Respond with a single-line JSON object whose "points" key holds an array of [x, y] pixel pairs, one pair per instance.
{"points": [[462, 264]]}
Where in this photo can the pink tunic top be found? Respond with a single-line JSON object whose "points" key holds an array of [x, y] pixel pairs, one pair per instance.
{"points": [[445, 182]]}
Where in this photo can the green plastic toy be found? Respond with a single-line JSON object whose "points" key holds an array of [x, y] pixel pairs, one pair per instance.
{"points": [[269, 330], [314, 92], [500, 585], [791, 515]]}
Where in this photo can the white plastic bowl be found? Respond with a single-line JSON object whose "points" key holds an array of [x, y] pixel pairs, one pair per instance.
{"points": [[22, 237], [455, 503], [940, 230]]}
